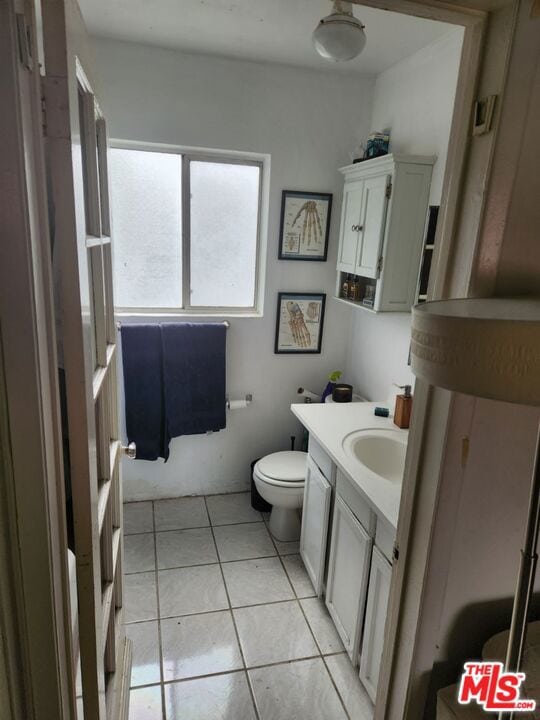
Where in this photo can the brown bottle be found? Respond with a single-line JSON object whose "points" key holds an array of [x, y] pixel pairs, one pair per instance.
{"points": [[402, 413]]}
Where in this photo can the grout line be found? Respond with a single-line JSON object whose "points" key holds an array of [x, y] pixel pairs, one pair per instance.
{"points": [[237, 635], [196, 527], [187, 497], [297, 598], [317, 645], [232, 672], [235, 607], [336, 687], [160, 644], [217, 562]]}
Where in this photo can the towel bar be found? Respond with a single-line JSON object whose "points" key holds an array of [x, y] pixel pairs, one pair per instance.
{"points": [[225, 322]]}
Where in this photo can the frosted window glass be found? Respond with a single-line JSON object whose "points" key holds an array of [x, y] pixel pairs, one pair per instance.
{"points": [[147, 224], [224, 218]]}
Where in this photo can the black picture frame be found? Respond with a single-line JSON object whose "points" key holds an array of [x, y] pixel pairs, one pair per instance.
{"points": [[297, 245], [291, 340]]}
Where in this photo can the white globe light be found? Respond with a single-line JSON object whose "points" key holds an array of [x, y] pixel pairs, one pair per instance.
{"points": [[339, 37]]}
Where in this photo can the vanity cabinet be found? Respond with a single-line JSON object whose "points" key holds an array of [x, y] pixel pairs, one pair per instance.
{"points": [[383, 216], [376, 610], [315, 519], [348, 575]]}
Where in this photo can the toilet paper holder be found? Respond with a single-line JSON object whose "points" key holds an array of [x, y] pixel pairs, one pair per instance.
{"points": [[238, 404]]}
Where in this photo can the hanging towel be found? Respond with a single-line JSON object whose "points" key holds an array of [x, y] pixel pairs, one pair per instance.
{"points": [[143, 388], [193, 378]]}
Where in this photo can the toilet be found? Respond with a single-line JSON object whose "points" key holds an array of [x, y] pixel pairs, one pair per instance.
{"points": [[280, 479]]}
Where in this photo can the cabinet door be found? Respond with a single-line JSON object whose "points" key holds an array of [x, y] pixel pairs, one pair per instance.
{"points": [[348, 571], [315, 518], [350, 224], [373, 217], [377, 605]]}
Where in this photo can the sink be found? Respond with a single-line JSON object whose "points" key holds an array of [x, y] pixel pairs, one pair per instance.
{"points": [[382, 452]]}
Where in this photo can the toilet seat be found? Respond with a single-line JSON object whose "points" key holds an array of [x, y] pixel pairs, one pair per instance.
{"points": [[282, 469]]}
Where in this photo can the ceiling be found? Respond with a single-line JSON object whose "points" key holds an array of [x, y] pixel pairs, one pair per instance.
{"points": [[277, 31]]}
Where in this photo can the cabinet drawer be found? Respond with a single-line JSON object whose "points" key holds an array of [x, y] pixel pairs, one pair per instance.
{"points": [[322, 460], [385, 536], [356, 503]]}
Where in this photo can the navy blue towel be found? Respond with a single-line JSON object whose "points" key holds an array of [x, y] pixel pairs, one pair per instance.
{"points": [[143, 387], [193, 378]]}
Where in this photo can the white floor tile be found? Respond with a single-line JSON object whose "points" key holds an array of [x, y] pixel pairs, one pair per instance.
{"points": [[223, 697], [287, 548], [353, 693], [138, 517], [233, 508], [145, 704], [300, 691], [190, 590], [199, 645], [251, 582], [298, 576], [322, 625], [181, 548], [145, 668], [180, 513], [139, 553], [242, 542], [274, 633], [140, 599]]}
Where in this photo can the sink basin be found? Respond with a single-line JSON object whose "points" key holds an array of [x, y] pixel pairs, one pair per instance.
{"points": [[382, 452]]}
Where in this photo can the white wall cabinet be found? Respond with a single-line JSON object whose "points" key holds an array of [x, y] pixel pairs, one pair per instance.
{"points": [[315, 520], [377, 605], [348, 574], [383, 216]]}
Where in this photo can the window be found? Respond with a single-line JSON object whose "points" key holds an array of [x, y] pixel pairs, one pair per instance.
{"points": [[186, 231]]}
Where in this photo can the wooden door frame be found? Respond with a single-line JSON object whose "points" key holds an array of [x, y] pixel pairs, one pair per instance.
{"points": [[35, 620]]}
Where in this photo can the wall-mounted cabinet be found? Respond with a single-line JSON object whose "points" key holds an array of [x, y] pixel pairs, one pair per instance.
{"points": [[383, 217]]}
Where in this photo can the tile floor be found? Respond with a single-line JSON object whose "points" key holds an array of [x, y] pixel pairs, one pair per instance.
{"points": [[224, 621]]}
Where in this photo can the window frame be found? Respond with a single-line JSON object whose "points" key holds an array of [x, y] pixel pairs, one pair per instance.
{"points": [[189, 155]]}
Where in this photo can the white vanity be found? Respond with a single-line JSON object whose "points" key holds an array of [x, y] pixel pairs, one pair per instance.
{"points": [[351, 503]]}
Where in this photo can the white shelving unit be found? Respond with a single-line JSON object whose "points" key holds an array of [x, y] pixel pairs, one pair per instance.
{"points": [[383, 217]]}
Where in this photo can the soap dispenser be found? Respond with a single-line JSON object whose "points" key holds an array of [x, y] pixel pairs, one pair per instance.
{"points": [[402, 412]]}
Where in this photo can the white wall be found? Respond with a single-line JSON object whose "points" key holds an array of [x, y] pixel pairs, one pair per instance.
{"points": [[414, 100], [308, 122]]}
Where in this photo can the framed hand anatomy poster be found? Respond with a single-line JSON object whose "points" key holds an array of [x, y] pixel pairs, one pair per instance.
{"points": [[305, 225]]}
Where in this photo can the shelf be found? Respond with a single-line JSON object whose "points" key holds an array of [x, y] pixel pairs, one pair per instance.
{"points": [[354, 303]]}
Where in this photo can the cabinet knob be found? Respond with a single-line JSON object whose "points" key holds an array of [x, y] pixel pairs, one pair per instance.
{"points": [[357, 228]]}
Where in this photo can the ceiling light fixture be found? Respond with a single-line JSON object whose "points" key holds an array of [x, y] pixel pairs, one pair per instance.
{"points": [[339, 36]]}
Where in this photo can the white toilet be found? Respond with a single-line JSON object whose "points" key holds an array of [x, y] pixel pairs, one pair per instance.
{"points": [[280, 479]]}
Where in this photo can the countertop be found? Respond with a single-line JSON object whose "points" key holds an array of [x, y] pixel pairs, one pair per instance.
{"points": [[330, 423]]}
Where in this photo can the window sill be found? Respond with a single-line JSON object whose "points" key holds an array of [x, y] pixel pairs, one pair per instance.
{"points": [[172, 316]]}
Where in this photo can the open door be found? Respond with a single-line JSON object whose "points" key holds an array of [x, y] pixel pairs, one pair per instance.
{"points": [[77, 157]]}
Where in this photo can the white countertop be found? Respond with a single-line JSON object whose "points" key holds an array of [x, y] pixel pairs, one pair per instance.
{"points": [[330, 424]]}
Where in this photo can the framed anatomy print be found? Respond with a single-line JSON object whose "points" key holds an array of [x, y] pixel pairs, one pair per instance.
{"points": [[305, 225], [299, 323]]}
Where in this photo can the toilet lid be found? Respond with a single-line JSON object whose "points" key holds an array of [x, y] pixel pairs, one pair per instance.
{"points": [[287, 466]]}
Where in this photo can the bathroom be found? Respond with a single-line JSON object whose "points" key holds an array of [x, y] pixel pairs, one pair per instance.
{"points": [[213, 117], [156, 98]]}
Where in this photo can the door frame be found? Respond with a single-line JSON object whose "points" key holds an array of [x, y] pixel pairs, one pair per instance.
{"points": [[24, 338], [36, 664]]}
